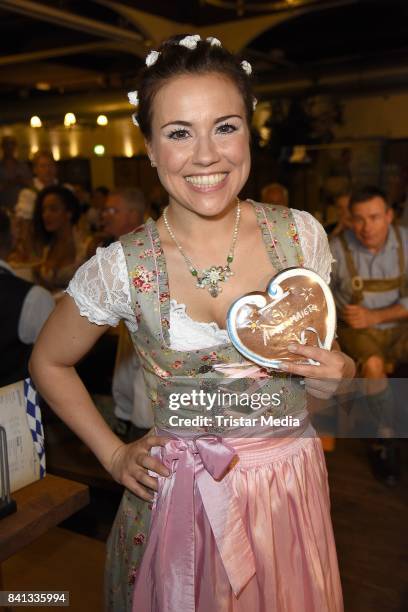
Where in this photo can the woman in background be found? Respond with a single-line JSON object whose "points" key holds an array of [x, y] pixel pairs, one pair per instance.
{"points": [[56, 214]]}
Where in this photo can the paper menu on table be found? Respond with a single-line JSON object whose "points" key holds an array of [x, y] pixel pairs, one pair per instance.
{"points": [[24, 462]]}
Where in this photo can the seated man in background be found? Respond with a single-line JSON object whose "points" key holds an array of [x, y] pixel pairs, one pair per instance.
{"points": [[275, 193], [369, 287], [24, 308], [124, 211]]}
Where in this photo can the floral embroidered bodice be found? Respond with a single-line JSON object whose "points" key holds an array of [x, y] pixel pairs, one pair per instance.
{"points": [[101, 289], [128, 280]]}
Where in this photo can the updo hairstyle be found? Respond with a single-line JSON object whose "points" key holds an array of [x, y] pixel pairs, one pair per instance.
{"points": [[176, 60]]}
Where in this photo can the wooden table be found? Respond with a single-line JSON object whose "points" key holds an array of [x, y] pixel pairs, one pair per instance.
{"points": [[40, 505]]}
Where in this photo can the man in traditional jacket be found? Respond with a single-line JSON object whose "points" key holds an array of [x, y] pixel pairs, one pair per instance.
{"points": [[369, 286]]}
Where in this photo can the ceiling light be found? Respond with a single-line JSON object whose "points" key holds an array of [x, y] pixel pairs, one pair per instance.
{"points": [[35, 122], [99, 149], [69, 119], [102, 120]]}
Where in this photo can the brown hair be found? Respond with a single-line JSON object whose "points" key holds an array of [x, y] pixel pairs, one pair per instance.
{"points": [[176, 60], [68, 200], [365, 193]]}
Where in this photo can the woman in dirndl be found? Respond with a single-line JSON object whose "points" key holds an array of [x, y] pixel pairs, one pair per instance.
{"points": [[214, 516]]}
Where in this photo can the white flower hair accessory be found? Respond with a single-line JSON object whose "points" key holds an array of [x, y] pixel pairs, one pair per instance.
{"points": [[133, 98], [246, 67], [152, 58], [213, 41], [190, 41]]}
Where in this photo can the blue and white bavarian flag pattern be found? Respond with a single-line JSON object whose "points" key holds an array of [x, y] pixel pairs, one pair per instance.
{"points": [[34, 421]]}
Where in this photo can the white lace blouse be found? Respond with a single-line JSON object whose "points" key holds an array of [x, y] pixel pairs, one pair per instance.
{"points": [[101, 289]]}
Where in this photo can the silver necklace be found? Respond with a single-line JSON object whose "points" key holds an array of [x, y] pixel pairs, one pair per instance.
{"points": [[209, 278]]}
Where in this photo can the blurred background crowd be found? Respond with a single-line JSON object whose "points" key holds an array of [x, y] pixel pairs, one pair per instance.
{"points": [[330, 128]]}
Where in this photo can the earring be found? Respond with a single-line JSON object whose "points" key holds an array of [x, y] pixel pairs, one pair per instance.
{"points": [[152, 163]]}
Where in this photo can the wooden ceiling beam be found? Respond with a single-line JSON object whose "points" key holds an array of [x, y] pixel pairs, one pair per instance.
{"points": [[44, 54], [50, 14]]}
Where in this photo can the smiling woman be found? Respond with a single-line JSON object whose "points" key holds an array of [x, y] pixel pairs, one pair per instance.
{"points": [[203, 162], [240, 519]]}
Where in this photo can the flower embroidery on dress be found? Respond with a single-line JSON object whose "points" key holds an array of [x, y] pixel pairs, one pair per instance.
{"points": [[139, 539], [142, 279], [132, 574], [160, 372], [138, 242], [293, 233], [149, 252], [210, 357], [165, 323]]}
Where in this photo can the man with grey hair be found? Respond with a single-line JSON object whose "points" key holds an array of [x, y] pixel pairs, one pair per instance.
{"points": [[124, 211], [275, 193]]}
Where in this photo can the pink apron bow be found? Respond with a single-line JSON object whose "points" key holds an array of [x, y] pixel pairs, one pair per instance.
{"points": [[242, 369], [165, 581]]}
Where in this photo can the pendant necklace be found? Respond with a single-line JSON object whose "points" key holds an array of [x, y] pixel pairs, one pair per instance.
{"points": [[209, 278]]}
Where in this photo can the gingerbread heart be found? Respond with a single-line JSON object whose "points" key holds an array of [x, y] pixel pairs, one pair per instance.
{"points": [[297, 306]]}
